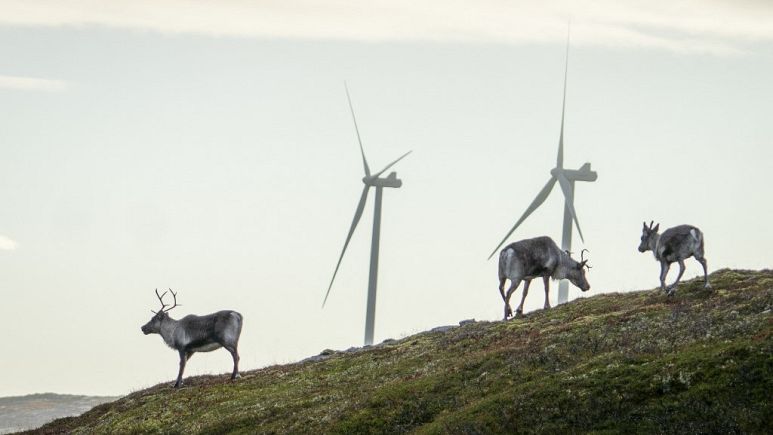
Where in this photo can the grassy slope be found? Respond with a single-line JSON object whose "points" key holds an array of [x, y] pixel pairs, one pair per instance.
{"points": [[701, 361]]}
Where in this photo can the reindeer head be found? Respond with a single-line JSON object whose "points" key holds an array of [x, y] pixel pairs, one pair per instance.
{"points": [[576, 271], [646, 234], [154, 325]]}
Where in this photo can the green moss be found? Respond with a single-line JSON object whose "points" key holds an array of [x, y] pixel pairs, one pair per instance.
{"points": [[636, 362]]}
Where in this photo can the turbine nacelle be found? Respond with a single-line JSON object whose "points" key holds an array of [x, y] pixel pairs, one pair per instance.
{"points": [[390, 181], [582, 174]]}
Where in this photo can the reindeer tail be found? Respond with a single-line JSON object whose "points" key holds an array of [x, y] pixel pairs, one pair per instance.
{"points": [[505, 259], [697, 235]]}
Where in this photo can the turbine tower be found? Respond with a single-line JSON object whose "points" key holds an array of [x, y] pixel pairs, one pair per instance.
{"points": [[370, 180], [566, 179]]}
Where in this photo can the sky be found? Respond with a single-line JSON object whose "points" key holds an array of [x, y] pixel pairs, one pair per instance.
{"points": [[209, 148]]}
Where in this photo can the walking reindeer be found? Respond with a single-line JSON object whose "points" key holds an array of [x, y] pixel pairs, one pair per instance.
{"points": [[538, 257], [674, 245], [196, 333]]}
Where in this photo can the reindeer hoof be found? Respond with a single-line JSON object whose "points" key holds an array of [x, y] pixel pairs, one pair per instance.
{"points": [[236, 376], [707, 286]]}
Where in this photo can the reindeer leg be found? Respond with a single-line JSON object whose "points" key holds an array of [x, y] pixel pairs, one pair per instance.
{"points": [[702, 261], [663, 272], [502, 287], [519, 311], [513, 286], [235, 354], [183, 359], [546, 280], [672, 287]]}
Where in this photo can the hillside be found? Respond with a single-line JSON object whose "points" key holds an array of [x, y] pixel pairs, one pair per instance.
{"points": [[25, 412], [699, 362]]}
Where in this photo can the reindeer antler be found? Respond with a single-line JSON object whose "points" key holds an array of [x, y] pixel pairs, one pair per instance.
{"points": [[160, 299], [583, 261], [163, 305], [174, 295]]}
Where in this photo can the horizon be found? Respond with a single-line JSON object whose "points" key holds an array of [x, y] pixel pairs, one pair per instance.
{"points": [[143, 148]]}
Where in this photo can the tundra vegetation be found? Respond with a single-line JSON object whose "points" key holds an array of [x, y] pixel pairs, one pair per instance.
{"points": [[636, 362]]}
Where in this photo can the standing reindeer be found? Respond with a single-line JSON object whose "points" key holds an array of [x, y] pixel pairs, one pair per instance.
{"points": [[196, 333], [674, 245], [538, 257]]}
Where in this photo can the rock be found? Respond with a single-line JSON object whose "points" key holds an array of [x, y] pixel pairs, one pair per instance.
{"points": [[315, 358], [442, 328], [466, 322], [322, 355]]}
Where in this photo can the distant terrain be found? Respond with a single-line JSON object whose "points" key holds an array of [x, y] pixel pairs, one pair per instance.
{"points": [[28, 412], [637, 362]]}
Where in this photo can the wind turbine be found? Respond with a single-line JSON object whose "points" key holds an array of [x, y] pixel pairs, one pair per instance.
{"points": [[370, 180], [566, 179]]}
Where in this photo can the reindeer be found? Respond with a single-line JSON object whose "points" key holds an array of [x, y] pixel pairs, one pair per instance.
{"points": [[674, 245], [196, 333], [538, 257]]}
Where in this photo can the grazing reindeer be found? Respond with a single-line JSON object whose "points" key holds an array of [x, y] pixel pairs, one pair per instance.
{"points": [[196, 333], [528, 259], [674, 245]]}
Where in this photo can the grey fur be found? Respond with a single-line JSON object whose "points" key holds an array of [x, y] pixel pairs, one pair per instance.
{"points": [[538, 257], [674, 245], [198, 334]]}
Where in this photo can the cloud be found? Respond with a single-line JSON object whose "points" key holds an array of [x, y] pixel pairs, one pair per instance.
{"points": [[31, 84], [710, 26], [7, 244]]}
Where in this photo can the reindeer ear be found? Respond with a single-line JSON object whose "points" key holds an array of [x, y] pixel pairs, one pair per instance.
{"points": [[656, 228]]}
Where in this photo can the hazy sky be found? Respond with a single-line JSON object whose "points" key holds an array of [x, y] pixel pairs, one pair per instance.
{"points": [[209, 148]]}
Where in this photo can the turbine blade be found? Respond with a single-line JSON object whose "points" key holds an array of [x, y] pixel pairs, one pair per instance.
{"points": [[569, 198], [541, 196], [362, 151], [560, 157], [391, 164], [355, 221]]}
